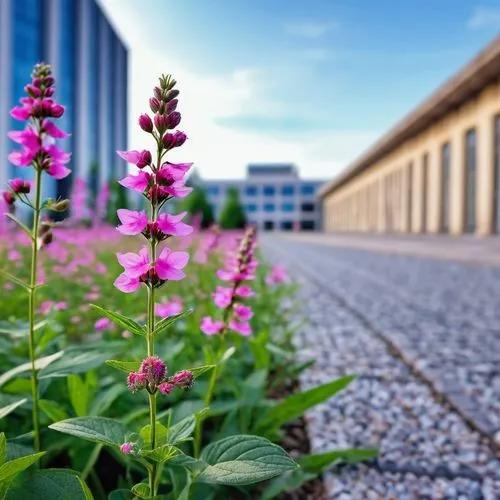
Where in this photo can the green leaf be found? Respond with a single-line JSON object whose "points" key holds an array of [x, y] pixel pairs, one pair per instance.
{"points": [[124, 366], [316, 463], [294, 406], [13, 467], [50, 484], [126, 323], [228, 354], [162, 453], [106, 398], [287, 483], [79, 394], [14, 279], [73, 362], [141, 490], [10, 408], [19, 329], [242, 459], [15, 450], [20, 224], [3, 448], [121, 495], [160, 438], [181, 431], [163, 325], [53, 410], [200, 370], [39, 364], [97, 429]]}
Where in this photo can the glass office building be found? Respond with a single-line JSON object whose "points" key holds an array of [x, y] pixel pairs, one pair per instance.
{"points": [[89, 62]]}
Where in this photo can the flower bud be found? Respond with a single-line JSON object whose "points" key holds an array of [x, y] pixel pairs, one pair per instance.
{"points": [[154, 369], [166, 388], [8, 197], [136, 381], [49, 92], [60, 206], [20, 186], [146, 123], [161, 123], [174, 140], [37, 81], [33, 91], [183, 379], [154, 104], [49, 81], [172, 106], [145, 159], [44, 228], [127, 448], [47, 239], [56, 110], [158, 93], [174, 119], [171, 94]]}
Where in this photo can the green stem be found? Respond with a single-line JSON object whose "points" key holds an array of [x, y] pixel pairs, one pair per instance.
{"points": [[32, 301]]}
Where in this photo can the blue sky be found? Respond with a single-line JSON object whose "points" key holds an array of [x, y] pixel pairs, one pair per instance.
{"points": [[314, 82]]}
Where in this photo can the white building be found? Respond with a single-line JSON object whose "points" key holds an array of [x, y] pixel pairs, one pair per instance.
{"points": [[274, 197]]}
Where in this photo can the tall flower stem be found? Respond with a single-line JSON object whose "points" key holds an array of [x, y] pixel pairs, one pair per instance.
{"points": [[32, 299]]}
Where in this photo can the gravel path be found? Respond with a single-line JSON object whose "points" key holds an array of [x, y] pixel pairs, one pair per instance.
{"points": [[422, 338]]}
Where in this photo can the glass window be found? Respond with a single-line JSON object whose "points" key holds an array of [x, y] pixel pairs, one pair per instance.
{"points": [[288, 190], [307, 225], [269, 207], [307, 207], [269, 190], [445, 187], [251, 190], [288, 207], [286, 225], [470, 181], [308, 189], [251, 207]]}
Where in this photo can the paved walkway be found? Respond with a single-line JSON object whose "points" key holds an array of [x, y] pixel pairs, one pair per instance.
{"points": [[467, 249], [423, 336]]}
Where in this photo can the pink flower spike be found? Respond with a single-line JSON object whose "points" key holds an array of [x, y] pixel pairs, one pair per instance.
{"points": [[243, 312], [222, 297], [137, 182], [126, 284], [134, 265], [171, 225], [244, 291], [210, 327], [130, 156], [132, 222], [169, 264], [54, 131], [242, 328], [102, 324]]}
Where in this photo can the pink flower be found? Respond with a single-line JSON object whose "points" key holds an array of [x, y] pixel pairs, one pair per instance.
{"points": [[276, 276], [53, 130], [102, 324], [223, 297], [168, 309], [136, 381], [134, 264], [183, 379], [243, 328], [139, 158], [137, 182], [244, 291], [172, 172], [243, 312], [20, 185], [146, 123], [154, 369], [177, 190], [126, 284], [132, 222], [45, 307], [170, 224], [14, 255], [169, 264], [127, 448], [210, 327], [61, 306], [174, 140], [166, 388], [8, 286]]}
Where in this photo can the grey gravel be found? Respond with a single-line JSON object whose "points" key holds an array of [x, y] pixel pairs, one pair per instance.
{"points": [[429, 311]]}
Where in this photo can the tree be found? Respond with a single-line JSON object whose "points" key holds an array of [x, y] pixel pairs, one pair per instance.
{"points": [[197, 203], [232, 215]]}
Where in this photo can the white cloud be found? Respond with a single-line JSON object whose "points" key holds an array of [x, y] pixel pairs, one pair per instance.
{"points": [[484, 17], [217, 151], [309, 29]]}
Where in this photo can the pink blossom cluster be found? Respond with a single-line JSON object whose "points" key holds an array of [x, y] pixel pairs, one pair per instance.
{"points": [[158, 181], [277, 275], [152, 376], [238, 268]]}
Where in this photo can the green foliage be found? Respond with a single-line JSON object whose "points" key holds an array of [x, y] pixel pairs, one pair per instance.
{"points": [[232, 215], [197, 204], [118, 198]]}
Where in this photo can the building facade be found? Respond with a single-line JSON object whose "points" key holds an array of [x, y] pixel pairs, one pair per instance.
{"points": [[437, 171], [274, 198], [89, 62]]}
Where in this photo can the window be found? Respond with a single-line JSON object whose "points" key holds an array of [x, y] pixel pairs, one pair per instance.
{"points": [[288, 190], [213, 190], [496, 169], [251, 207], [307, 207], [287, 225], [307, 225], [251, 190], [269, 190], [288, 207], [268, 225], [308, 189], [269, 207], [445, 188], [470, 181]]}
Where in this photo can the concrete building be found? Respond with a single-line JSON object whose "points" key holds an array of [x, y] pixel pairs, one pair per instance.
{"points": [[89, 62], [437, 171], [274, 197]]}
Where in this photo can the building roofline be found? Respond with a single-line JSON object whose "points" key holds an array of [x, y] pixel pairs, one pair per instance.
{"points": [[467, 82]]}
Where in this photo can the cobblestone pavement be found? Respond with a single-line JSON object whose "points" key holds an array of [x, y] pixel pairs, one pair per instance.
{"points": [[423, 337]]}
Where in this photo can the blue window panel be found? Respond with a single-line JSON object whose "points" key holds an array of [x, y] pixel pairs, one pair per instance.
{"points": [[288, 190], [251, 190], [288, 207], [269, 207], [251, 207], [308, 189], [269, 190], [213, 190]]}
